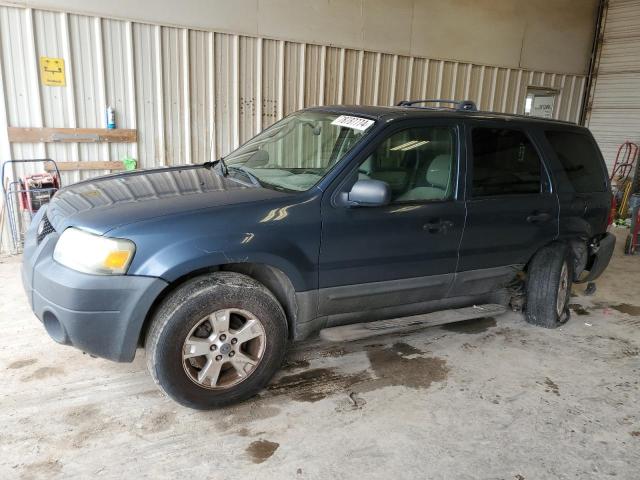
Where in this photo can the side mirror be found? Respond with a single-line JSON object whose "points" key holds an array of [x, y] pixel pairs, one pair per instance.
{"points": [[367, 193]]}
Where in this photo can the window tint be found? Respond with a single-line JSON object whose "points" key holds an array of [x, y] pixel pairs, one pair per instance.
{"points": [[579, 157], [417, 164], [504, 163]]}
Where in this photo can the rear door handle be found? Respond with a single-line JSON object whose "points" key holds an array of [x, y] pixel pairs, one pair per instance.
{"points": [[437, 226], [539, 217]]}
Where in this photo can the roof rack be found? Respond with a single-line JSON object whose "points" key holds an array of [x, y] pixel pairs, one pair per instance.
{"points": [[459, 105]]}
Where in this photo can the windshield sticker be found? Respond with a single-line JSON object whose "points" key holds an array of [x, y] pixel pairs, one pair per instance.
{"points": [[357, 123]]}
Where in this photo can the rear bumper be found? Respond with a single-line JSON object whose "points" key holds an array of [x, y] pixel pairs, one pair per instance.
{"points": [[600, 258], [101, 315]]}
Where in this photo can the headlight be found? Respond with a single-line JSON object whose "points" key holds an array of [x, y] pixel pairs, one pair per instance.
{"points": [[89, 253]]}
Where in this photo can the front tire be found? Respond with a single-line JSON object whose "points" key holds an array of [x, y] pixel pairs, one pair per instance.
{"points": [[216, 340], [549, 279]]}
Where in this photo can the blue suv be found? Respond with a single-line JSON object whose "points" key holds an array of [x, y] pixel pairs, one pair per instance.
{"points": [[332, 216]]}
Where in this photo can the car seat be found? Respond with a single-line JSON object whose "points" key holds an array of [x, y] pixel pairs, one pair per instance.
{"points": [[438, 179]]}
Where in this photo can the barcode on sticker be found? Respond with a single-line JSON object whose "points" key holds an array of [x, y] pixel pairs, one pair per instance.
{"points": [[357, 123]]}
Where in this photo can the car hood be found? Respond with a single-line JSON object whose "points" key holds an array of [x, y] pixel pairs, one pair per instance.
{"points": [[102, 204]]}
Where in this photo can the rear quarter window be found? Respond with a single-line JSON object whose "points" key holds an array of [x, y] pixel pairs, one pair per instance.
{"points": [[580, 159]]}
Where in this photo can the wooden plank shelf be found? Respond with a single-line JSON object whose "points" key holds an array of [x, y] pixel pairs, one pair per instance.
{"points": [[70, 135], [70, 166]]}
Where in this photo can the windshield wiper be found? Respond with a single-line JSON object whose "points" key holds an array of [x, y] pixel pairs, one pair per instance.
{"points": [[251, 176], [224, 169], [223, 166]]}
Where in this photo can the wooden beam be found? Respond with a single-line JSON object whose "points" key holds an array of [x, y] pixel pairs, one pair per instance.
{"points": [[68, 166], [69, 135]]}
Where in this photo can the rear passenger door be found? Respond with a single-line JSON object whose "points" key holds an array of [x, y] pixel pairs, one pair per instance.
{"points": [[511, 209]]}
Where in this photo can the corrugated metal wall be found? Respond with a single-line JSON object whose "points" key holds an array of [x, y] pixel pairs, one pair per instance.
{"points": [[195, 95], [614, 114]]}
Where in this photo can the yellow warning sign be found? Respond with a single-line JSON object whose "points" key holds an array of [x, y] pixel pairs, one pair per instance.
{"points": [[52, 71]]}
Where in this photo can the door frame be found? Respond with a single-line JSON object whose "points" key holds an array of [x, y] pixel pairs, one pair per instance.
{"points": [[496, 275], [352, 300], [546, 176]]}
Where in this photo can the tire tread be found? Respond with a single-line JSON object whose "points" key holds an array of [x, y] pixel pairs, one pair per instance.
{"points": [[542, 285], [191, 291]]}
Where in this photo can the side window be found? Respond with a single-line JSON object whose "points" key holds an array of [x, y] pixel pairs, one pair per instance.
{"points": [[504, 163], [580, 159], [417, 163]]}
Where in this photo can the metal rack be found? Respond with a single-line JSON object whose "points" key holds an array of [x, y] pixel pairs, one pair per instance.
{"points": [[458, 105], [621, 181], [18, 200], [625, 160]]}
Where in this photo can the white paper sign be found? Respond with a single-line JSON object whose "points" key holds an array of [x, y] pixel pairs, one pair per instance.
{"points": [[543, 106], [357, 123]]}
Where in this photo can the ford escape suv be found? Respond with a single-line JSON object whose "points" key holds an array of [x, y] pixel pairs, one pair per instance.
{"points": [[332, 216]]}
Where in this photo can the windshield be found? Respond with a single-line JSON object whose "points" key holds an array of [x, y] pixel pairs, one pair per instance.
{"points": [[296, 152]]}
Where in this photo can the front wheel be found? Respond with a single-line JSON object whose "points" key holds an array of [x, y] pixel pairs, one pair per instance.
{"points": [[216, 340], [549, 279]]}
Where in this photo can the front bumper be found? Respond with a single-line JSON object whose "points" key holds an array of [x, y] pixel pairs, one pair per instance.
{"points": [[101, 315]]}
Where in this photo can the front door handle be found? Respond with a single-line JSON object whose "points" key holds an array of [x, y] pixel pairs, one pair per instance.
{"points": [[539, 217], [438, 226]]}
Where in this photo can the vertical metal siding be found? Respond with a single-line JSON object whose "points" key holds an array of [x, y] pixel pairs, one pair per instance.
{"points": [[177, 149], [269, 88], [117, 73], [148, 105], [351, 75], [195, 95], [294, 75], [202, 95], [82, 73], [614, 113]]}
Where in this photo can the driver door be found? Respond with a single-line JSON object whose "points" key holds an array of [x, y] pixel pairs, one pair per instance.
{"points": [[377, 262]]}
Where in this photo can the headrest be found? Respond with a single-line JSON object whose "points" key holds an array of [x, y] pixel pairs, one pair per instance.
{"points": [[439, 171]]}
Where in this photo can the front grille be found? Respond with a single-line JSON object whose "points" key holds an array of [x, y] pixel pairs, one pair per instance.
{"points": [[45, 228]]}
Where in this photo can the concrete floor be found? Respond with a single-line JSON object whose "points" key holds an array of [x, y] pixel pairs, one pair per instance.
{"points": [[490, 399]]}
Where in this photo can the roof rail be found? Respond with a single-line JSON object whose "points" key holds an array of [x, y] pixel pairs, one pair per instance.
{"points": [[460, 105]]}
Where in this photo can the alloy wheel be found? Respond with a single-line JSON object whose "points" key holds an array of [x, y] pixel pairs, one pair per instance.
{"points": [[224, 348]]}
